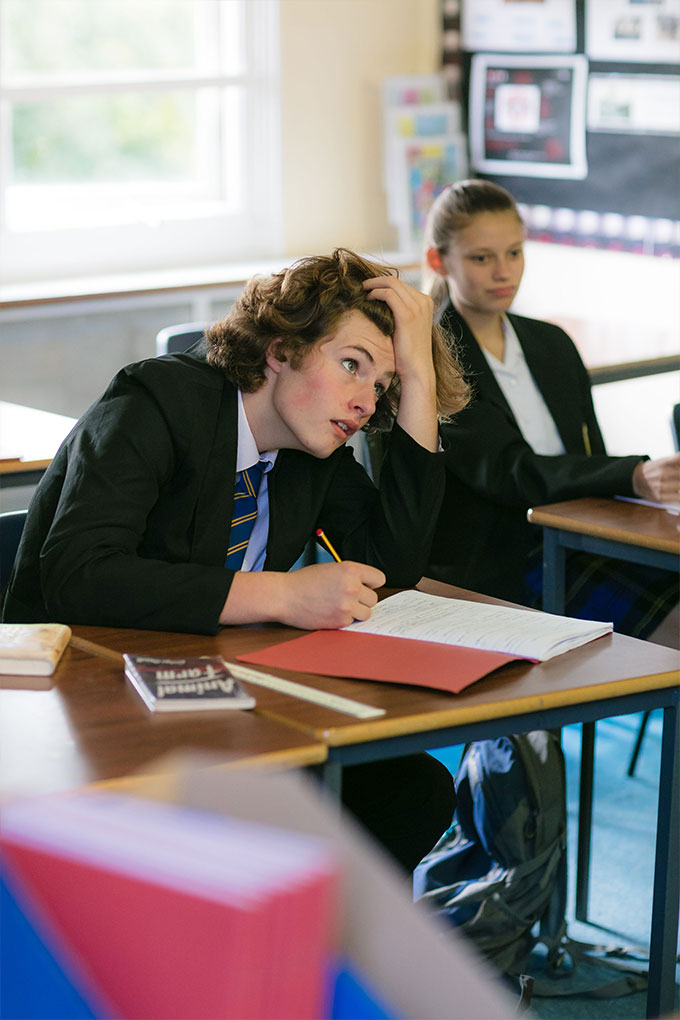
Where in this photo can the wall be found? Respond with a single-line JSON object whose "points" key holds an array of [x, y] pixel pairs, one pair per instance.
{"points": [[618, 307], [628, 302], [334, 54]]}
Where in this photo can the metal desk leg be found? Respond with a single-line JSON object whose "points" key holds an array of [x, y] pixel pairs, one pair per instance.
{"points": [[638, 742], [331, 777], [585, 819], [554, 555], [662, 950]]}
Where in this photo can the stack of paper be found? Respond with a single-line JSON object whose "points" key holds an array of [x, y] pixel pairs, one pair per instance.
{"points": [[164, 911]]}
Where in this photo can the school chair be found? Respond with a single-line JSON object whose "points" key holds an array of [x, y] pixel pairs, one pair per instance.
{"points": [[11, 526], [177, 339]]}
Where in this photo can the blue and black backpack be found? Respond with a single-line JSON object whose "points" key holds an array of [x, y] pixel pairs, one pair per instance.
{"points": [[500, 872]]}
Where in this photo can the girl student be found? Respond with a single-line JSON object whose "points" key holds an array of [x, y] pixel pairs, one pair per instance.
{"points": [[529, 435]]}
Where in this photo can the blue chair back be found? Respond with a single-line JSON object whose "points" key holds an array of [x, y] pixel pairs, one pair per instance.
{"points": [[11, 527], [177, 339]]}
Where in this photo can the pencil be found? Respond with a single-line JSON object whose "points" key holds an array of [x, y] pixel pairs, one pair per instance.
{"points": [[586, 439], [94, 649], [322, 537]]}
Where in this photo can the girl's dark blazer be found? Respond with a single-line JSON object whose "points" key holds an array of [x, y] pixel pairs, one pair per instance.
{"points": [[483, 538], [130, 524]]}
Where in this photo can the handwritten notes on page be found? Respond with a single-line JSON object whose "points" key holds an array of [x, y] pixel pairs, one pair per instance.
{"points": [[421, 617]]}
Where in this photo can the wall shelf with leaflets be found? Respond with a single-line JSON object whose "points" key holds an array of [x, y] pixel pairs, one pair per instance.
{"points": [[574, 106]]}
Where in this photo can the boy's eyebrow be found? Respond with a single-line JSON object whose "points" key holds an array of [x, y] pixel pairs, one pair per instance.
{"points": [[364, 350]]}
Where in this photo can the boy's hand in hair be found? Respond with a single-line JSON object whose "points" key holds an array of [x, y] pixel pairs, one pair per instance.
{"points": [[413, 314]]}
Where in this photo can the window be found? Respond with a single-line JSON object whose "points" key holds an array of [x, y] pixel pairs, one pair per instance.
{"points": [[137, 134]]}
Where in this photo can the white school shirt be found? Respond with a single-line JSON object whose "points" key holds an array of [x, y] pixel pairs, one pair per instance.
{"points": [[523, 395], [247, 455]]}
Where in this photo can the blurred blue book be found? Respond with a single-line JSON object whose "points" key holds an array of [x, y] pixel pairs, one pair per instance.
{"points": [[353, 997], [36, 982]]}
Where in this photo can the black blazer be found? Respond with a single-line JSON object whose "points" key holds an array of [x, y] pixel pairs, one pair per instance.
{"points": [[130, 524], [483, 538]]}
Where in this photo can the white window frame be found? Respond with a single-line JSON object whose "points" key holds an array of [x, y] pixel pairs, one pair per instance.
{"points": [[199, 228]]}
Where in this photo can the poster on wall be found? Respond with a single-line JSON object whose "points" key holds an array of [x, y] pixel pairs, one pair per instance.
{"points": [[425, 167], [417, 121], [527, 115], [407, 89], [527, 26], [423, 150], [634, 104], [646, 31]]}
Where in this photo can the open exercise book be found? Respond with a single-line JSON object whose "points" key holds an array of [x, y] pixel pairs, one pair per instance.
{"points": [[431, 641]]}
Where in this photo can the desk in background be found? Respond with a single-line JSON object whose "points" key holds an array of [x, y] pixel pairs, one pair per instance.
{"points": [[29, 439], [97, 728], [605, 527]]}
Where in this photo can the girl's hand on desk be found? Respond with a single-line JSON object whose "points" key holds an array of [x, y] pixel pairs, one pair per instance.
{"points": [[322, 596], [658, 480]]}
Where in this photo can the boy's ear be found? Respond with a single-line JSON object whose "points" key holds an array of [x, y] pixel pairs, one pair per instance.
{"points": [[434, 261], [275, 358]]}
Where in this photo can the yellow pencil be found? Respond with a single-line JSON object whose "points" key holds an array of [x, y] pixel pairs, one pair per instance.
{"points": [[322, 537], [94, 649], [586, 439]]}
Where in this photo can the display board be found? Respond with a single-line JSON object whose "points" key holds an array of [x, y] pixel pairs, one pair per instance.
{"points": [[574, 106]]}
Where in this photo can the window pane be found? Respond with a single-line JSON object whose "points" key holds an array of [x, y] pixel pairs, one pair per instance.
{"points": [[121, 137], [65, 36]]}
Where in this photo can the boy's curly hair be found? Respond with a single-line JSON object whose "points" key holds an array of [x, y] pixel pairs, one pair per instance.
{"points": [[304, 304]]}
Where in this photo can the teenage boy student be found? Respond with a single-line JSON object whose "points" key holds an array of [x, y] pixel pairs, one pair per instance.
{"points": [[135, 522]]}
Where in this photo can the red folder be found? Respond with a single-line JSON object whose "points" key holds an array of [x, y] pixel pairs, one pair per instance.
{"points": [[347, 653]]}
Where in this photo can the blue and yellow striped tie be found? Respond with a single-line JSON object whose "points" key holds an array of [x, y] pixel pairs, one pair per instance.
{"points": [[245, 512]]}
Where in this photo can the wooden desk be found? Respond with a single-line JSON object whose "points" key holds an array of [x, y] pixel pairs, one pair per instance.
{"points": [[29, 439], [89, 726], [607, 527], [611, 676]]}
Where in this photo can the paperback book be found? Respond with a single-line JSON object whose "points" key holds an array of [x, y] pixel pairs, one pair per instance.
{"points": [[32, 649], [180, 685]]}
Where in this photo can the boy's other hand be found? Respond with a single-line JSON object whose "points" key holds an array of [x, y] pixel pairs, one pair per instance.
{"points": [[321, 596], [331, 595]]}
